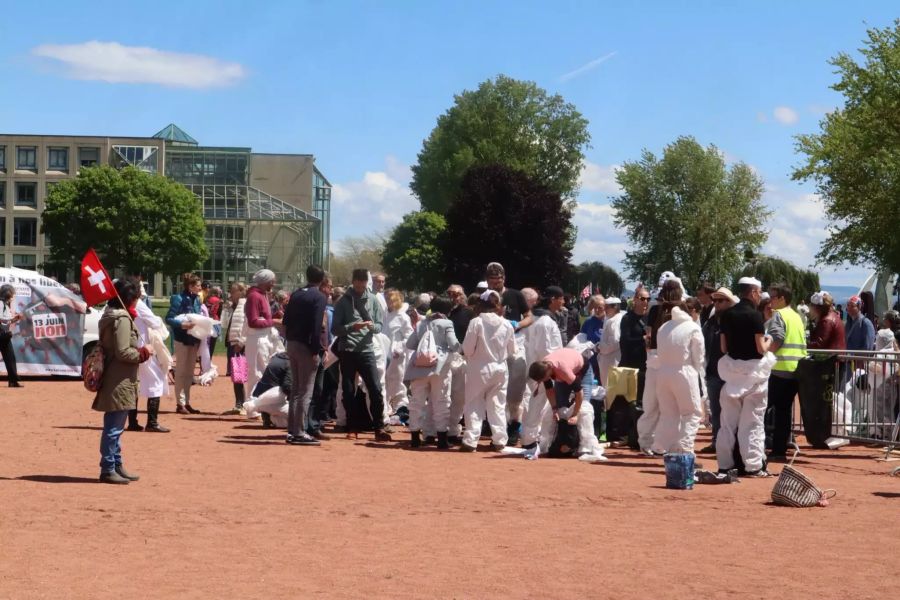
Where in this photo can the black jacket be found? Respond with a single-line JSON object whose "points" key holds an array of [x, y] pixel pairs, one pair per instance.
{"points": [[277, 373], [303, 318], [631, 341]]}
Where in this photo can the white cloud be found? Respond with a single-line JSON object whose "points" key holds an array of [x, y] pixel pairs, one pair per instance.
{"points": [[590, 66], [821, 110], [807, 207], [785, 115], [114, 63], [599, 178], [610, 252], [373, 204]]}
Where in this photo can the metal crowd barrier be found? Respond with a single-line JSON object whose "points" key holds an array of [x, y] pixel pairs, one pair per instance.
{"points": [[849, 395]]}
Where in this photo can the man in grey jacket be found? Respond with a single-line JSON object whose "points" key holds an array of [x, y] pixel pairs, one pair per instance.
{"points": [[357, 319]]}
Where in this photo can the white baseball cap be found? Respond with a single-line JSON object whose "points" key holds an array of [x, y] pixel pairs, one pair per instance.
{"points": [[750, 281]]}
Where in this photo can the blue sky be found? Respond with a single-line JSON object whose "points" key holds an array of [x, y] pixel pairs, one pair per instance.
{"points": [[360, 85]]}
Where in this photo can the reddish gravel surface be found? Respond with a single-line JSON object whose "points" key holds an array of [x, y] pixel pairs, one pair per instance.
{"points": [[225, 509]]}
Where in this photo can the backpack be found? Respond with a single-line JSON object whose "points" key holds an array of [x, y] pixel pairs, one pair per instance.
{"points": [[426, 351], [92, 368]]}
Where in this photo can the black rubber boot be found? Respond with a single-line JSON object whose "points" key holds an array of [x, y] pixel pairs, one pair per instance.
{"points": [[153, 416], [133, 424], [415, 439], [512, 432], [442, 443]]}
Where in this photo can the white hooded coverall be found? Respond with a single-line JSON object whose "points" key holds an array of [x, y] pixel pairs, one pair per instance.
{"points": [[743, 400], [398, 328], [541, 338], [490, 341], [680, 350], [646, 425], [272, 401], [608, 347]]}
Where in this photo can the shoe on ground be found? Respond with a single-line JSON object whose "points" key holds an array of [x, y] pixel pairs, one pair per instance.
{"points": [[303, 439], [647, 452], [707, 450], [761, 474], [318, 435], [466, 448], [134, 427], [15, 384], [120, 469], [232, 411], [156, 428], [388, 429], [498, 447], [181, 410], [113, 477], [454, 440], [191, 409], [382, 436]]}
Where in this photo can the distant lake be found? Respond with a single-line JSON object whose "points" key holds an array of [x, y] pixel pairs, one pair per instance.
{"points": [[840, 293]]}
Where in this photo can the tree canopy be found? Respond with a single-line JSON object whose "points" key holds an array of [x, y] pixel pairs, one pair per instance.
{"points": [[503, 215], [597, 275], [770, 269], [508, 122], [412, 256], [855, 159], [361, 252], [688, 212], [136, 221]]}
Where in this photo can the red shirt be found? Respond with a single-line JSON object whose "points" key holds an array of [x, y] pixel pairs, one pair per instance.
{"points": [[259, 316]]}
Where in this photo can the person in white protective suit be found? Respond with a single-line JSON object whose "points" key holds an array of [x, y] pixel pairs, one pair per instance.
{"points": [[670, 294], [428, 372], [152, 373], [270, 394], [745, 369], [561, 374], [608, 349], [398, 328], [461, 315], [541, 338], [680, 349], [490, 341]]}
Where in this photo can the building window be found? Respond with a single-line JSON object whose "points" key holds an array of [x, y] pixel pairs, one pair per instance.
{"points": [[26, 194], [2, 158], [58, 159], [26, 157], [25, 261], [2, 195], [25, 232], [88, 157], [2, 231]]}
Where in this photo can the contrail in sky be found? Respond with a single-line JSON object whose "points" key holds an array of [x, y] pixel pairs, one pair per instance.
{"points": [[588, 67]]}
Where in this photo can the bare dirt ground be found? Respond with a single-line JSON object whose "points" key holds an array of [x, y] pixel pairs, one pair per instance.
{"points": [[226, 509]]}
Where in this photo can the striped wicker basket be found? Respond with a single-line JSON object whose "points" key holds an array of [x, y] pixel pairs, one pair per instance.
{"points": [[793, 488]]}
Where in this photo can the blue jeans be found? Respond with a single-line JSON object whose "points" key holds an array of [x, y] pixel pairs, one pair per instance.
{"points": [[110, 446]]}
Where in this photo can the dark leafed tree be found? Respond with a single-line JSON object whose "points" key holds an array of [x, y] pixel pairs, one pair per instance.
{"points": [[503, 215], [596, 274], [507, 122], [412, 256], [855, 159], [137, 222], [769, 270], [689, 213]]}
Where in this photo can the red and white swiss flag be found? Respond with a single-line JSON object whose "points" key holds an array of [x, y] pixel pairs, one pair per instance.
{"points": [[96, 284]]}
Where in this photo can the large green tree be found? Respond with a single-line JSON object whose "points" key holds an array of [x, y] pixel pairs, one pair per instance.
{"points": [[137, 222], [688, 212], [359, 252], [770, 269], [597, 275], [503, 215], [505, 121], [412, 256], [855, 159]]}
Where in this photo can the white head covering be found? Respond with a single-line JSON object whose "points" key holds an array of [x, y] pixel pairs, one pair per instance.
{"points": [[750, 281], [818, 298], [611, 301], [486, 296], [482, 285], [263, 276]]}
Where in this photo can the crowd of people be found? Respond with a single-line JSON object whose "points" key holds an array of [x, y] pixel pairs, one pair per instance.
{"points": [[517, 366]]}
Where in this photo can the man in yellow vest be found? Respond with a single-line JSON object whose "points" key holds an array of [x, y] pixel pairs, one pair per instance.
{"points": [[789, 346]]}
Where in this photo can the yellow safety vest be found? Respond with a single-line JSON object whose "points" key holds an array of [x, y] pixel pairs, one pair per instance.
{"points": [[794, 346]]}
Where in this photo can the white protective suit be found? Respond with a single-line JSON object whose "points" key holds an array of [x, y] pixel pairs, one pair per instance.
{"points": [[646, 425], [743, 398], [272, 401], [153, 373], [608, 349], [260, 345], [490, 341], [457, 394], [680, 349], [587, 441], [541, 338], [398, 328]]}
